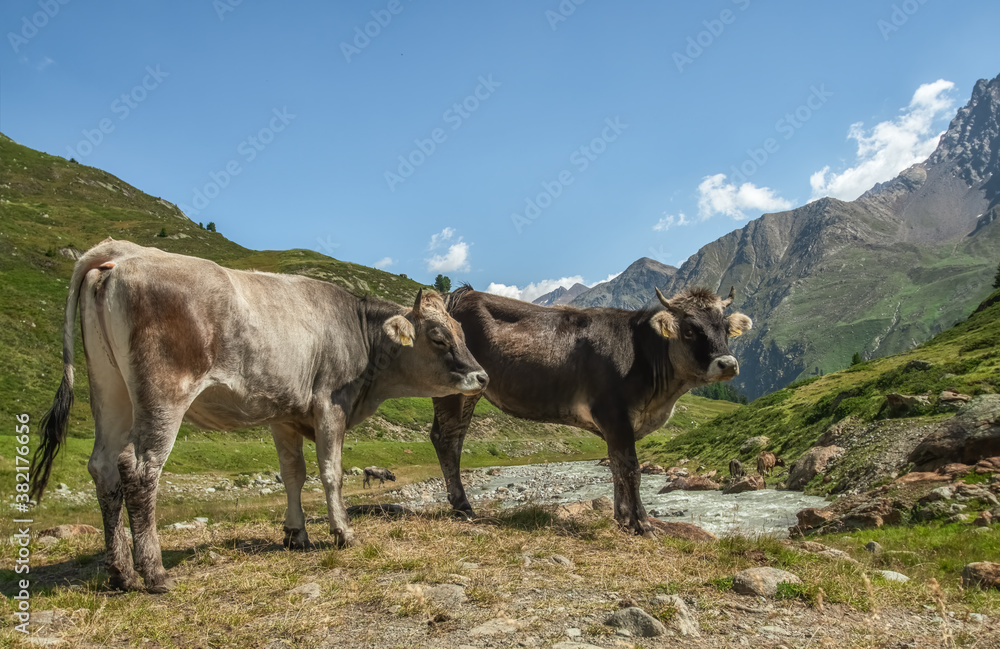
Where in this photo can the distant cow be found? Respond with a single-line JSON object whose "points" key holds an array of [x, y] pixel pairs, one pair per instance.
{"points": [[377, 473], [736, 469], [169, 337], [615, 373], [766, 462]]}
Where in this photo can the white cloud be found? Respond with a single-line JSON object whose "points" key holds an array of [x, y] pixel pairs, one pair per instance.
{"points": [[717, 196], [889, 147], [669, 220], [44, 63], [384, 263], [537, 289], [455, 260], [437, 240]]}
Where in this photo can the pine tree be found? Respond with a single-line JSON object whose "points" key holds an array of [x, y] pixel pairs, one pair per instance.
{"points": [[442, 284], [996, 280], [211, 226], [163, 233], [856, 359]]}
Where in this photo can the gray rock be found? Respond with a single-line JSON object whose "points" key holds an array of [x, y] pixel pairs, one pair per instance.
{"points": [[683, 621], [561, 560], [574, 645], [446, 595], [762, 581], [637, 622], [309, 591], [754, 443], [813, 462], [773, 630], [496, 626], [574, 632], [889, 575]]}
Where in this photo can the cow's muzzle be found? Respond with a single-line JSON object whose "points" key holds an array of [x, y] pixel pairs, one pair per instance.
{"points": [[723, 368], [474, 382]]}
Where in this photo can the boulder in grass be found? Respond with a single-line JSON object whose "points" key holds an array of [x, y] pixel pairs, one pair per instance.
{"points": [[762, 581], [68, 530], [984, 574]]}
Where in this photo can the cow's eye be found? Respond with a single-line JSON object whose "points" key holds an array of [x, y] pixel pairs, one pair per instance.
{"points": [[690, 334], [440, 342]]}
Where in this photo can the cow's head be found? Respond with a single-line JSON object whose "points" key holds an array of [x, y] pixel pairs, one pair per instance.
{"points": [[389, 475], [437, 363], [696, 323]]}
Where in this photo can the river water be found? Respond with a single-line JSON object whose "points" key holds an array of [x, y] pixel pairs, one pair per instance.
{"points": [[764, 512]]}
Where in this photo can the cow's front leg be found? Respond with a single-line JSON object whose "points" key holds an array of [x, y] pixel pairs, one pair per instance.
{"points": [[288, 441], [331, 424], [629, 512], [452, 416]]}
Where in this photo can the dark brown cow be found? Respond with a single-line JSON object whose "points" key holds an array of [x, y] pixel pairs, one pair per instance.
{"points": [[615, 373], [766, 462], [377, 473], [170, 337], [736, 469]]}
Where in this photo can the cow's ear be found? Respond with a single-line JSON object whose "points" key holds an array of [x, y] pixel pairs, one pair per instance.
{"points": [[738, 323], [664, 324], [400, 330]]}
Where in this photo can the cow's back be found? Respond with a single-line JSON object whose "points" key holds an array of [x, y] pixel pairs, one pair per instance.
{"points": [[253, 343], [544, 363]]}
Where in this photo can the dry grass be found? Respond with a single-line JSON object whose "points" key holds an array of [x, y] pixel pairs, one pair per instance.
{"points": [[374, 593]]}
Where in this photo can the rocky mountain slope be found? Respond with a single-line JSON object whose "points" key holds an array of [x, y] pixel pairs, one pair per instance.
{"points": [[877, 275], [561, 295], [630, 290]]}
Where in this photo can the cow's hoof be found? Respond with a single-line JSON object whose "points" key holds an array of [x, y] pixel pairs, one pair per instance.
{"points": [[344, 538], [296, 540], [464, 514], [126, 583], [159, 586]]}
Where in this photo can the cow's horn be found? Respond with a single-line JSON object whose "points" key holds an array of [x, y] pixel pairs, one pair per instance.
{"points": [[729, 300], [416, 303], [663, 300]]}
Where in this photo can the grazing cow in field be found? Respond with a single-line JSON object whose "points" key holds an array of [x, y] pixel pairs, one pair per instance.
{"points": [[766, 462], [170, 337], [377, 473], [615, 373], [736, 469]]}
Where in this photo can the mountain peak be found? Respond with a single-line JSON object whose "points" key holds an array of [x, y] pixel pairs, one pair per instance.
{"points": [[972, 141]]}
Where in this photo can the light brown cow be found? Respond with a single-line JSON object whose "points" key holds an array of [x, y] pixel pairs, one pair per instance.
{"points": [[766, 462], [170, 337]]}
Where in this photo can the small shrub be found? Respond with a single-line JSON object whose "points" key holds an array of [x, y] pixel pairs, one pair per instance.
{"points": [[722, 583], [163, 233], [788, 590]]}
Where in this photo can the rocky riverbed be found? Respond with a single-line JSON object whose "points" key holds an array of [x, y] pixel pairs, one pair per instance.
{"points": [[757, 512]]}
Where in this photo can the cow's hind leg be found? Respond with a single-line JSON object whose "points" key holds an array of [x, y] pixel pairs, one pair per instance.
{"points": [[288, 441], [452, 416], [113, 418], [140, 465]]}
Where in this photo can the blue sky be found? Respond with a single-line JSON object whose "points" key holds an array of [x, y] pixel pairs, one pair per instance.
{"points": [[512, 144]]}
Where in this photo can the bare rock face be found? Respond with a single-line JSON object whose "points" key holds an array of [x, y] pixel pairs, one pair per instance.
{"points": [[690, 483], [984, 574], [851, 513], [637, 622], [754, 443], [762, 581], [683, 531], [751, 482], [812, 463], [905, 405], [968, 437]]}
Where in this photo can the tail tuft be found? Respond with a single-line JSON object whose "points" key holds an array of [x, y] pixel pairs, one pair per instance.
{"points": [[54, 427]]}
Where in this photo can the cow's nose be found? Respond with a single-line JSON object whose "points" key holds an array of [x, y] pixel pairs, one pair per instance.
{"points": [[482, 378], [727, 365]]}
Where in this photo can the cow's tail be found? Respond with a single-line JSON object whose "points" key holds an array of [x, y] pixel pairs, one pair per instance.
{"points": [[54, 425]]}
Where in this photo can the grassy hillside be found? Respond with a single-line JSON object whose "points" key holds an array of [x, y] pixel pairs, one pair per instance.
{"points": [[965, 358]]}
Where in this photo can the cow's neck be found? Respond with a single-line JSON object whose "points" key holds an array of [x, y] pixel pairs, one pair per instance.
{"points": [[666, 388], [378, 378]]}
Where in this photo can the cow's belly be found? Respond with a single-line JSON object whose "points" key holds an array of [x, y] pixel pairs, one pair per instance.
{"points": [[221, 408]]}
